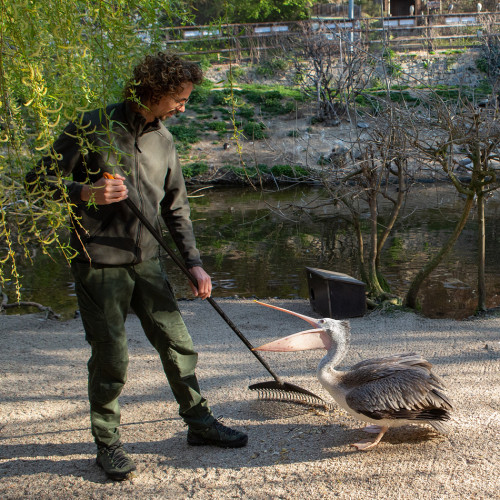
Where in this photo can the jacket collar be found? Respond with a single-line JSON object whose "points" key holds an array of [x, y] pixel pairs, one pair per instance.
{"points": [[137, 122]]}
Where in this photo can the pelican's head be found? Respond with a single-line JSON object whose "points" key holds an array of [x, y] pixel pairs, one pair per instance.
{"points": [[327, 332]]}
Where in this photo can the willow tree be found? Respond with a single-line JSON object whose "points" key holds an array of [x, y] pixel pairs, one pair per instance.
{"points": [[58, 58]]}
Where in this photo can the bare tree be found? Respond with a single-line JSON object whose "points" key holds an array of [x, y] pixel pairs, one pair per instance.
{"points": [[461, 140], [376, 171], [330, 68]]}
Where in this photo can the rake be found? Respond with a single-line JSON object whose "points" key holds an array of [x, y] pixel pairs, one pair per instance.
{"points": [[277, 389]]}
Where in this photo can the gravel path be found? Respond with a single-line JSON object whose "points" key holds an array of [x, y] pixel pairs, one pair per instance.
{"points": [[294, 451]]}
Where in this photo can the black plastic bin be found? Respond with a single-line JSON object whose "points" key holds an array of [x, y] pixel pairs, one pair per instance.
{"points": [[335, 295]]}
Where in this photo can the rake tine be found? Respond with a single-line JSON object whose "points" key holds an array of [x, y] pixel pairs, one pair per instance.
{"points": [[274, 391]]}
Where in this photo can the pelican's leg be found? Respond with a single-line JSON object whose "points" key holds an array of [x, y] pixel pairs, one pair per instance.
{"points": [[368, 445], [372, 429]]}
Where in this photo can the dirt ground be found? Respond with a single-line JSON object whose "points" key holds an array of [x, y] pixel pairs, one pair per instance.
{"points": [[279, 148], [294, 451]]}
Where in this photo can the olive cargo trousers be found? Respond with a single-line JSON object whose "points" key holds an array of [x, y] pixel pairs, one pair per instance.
{"points": [[104, 297]]}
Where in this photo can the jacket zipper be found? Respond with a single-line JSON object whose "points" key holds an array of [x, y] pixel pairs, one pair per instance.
{"points": [[137, 151]]}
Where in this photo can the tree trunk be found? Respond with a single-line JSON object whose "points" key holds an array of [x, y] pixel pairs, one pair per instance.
{"points": [[361, 248], [394, 216], [373, 281], [481, 280], [411, 295]]}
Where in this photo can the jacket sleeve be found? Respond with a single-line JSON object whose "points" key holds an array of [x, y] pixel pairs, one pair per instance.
{"points": [[51, 170], [175, 211]]}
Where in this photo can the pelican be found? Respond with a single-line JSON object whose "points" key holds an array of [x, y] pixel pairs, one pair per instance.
{"points": [[386, 392]]}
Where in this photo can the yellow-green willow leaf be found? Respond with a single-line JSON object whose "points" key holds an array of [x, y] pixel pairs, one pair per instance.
{"points": [[53, 125], [41, 148], [29, 102], [55, 110], [48, 241]]}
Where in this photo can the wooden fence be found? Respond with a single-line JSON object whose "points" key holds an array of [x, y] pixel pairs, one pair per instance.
{"points": [[423, 32]]}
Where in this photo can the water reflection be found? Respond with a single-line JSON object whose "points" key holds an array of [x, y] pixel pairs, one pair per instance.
{"points": [[258, 243]]}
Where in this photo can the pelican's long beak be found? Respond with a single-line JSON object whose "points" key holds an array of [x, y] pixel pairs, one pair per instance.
{"points": [[308, 339]]}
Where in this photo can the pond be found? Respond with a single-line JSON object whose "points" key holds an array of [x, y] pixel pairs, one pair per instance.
{"points": [[256, 244]]}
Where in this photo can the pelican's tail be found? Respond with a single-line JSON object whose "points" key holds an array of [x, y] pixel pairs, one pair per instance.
{"points": [[441, 427]]}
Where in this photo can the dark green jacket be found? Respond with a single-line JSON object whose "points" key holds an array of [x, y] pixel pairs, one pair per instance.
{"points": [[117, 140]]}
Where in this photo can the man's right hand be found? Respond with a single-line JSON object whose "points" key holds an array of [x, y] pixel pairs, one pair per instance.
{"points": [[105, 191]]}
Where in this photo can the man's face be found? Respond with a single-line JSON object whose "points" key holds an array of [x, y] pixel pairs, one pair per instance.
{"points": [[168, 105]]}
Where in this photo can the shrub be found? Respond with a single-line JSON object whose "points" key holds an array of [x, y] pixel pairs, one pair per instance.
{"points": [[246, 112], [201, 93], [482, 64], [289, 171], [220, 127], [235, 73], [194, 169], [220, 97], [186, 135], [254, 130], [272, 67]]}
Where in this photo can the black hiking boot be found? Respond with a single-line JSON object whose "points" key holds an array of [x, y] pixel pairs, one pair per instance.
{"points": [[217, 434], [115, 462]]}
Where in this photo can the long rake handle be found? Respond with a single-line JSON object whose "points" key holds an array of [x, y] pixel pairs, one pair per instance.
{"points": [[193, 280]]}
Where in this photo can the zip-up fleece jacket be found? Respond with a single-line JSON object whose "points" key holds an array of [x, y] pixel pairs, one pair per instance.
{"points": [[119, 141]]}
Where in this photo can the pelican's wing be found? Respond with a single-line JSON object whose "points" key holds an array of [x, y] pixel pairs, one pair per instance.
{"points": [[396, 387]]}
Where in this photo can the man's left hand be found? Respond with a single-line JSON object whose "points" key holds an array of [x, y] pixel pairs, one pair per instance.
{"points": [[204, 289]]}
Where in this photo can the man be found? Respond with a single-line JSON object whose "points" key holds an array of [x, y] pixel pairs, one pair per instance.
{"points": [[117, 264]]}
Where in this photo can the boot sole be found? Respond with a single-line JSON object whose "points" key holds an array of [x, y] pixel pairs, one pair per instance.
{"points": [[118, 476]]}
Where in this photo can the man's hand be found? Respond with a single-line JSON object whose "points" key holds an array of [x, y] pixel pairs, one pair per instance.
{"points": [[204, 283], [105, 191]]}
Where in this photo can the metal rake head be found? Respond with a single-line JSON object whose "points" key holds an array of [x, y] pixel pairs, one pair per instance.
{"points": [[290, 393]]}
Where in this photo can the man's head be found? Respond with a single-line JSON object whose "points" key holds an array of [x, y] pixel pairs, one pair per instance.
{"points": [[162, 83]]}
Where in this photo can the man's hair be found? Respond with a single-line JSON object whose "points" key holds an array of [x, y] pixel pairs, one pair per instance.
{"points": [[159, 75]]}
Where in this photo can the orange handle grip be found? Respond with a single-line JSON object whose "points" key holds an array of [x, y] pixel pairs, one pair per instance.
{"points": [[107, 175]]}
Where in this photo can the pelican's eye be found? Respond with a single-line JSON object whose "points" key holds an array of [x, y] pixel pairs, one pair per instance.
{"points": [[321, 322]]}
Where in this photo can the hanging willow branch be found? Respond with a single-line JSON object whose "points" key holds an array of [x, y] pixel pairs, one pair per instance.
{"points": [[58, 59]]}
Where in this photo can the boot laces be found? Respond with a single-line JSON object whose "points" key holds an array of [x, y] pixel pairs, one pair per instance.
{"points": [[118, 456], [222, 428]]}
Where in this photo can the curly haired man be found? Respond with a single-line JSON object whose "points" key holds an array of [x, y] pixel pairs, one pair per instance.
{"points": [[117, 264]]}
